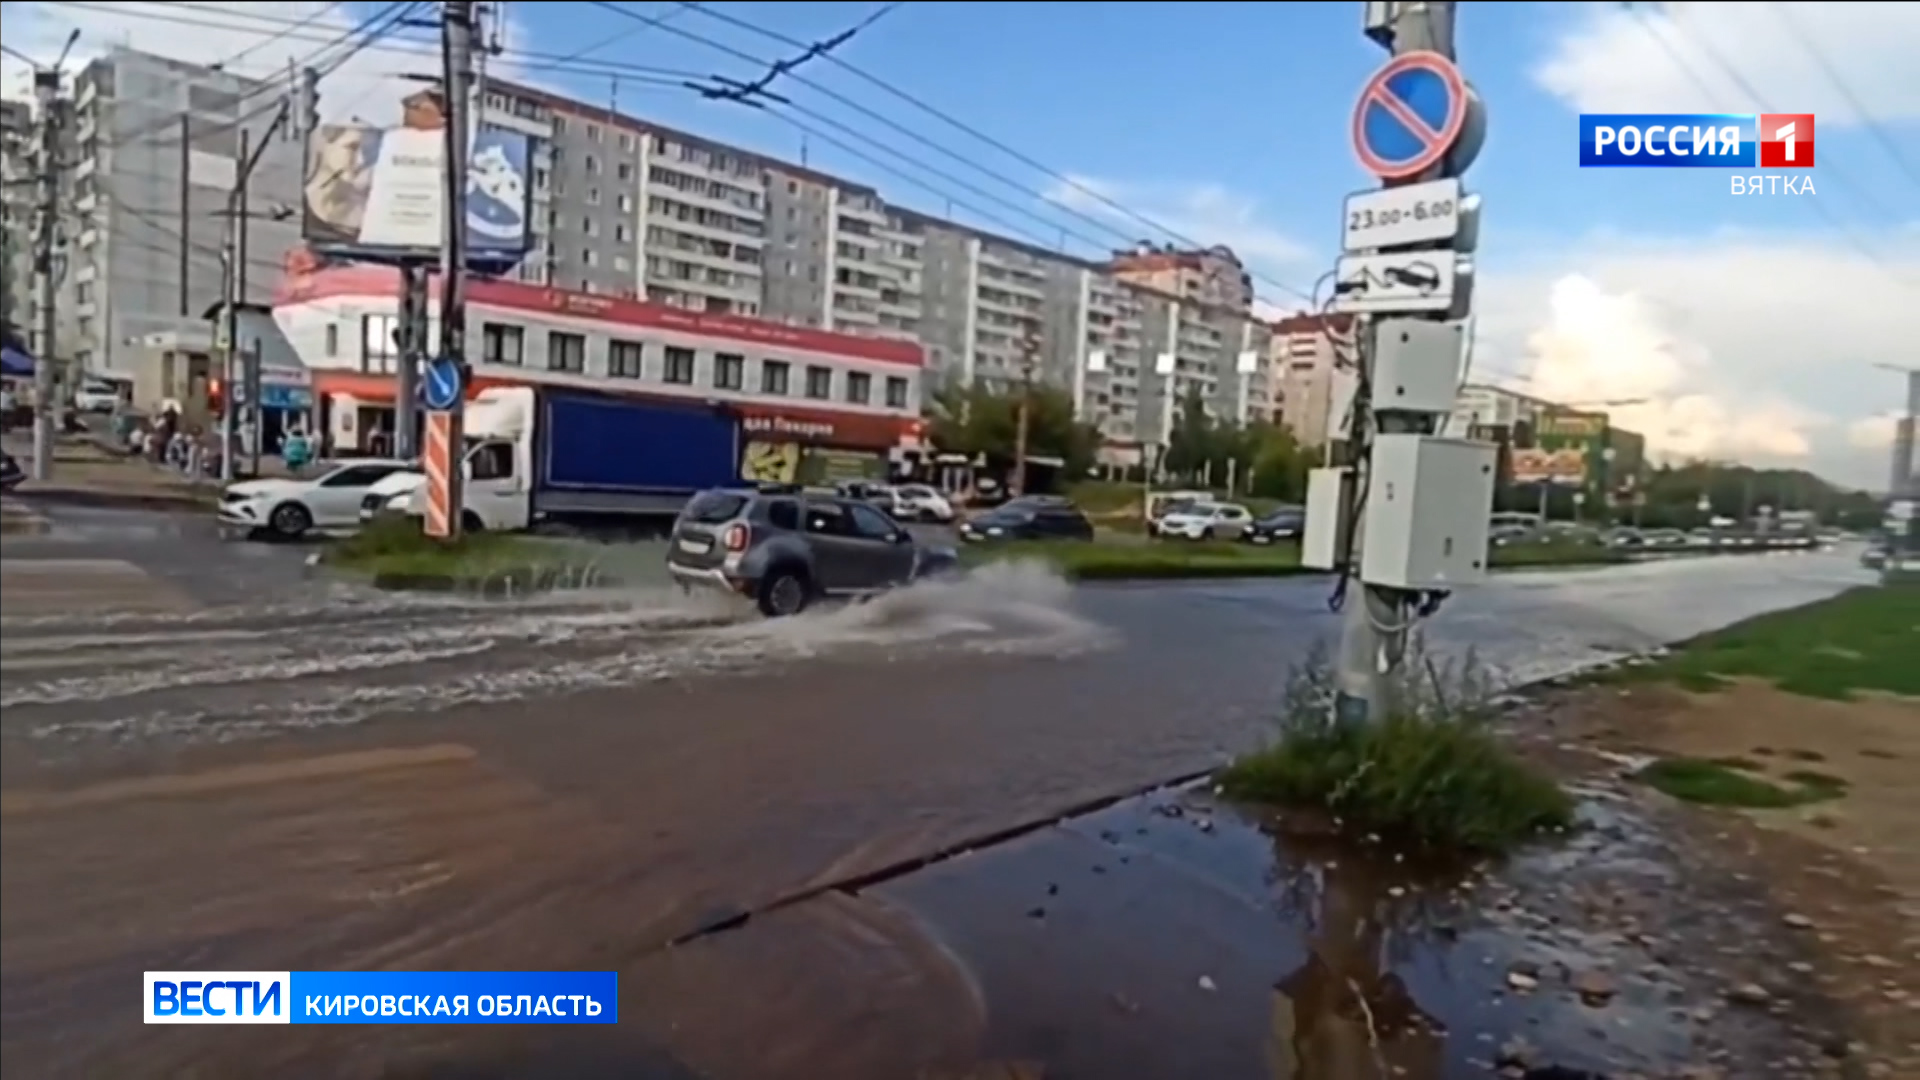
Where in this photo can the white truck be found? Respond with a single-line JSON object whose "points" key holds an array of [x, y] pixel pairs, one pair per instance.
{"points": [[586, 461]]}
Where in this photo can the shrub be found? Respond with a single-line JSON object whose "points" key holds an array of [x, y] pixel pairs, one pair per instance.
{"points": [[1431, 773]]}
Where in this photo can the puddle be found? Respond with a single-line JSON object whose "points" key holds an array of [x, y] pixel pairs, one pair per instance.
{"points": [[1173, 936]]}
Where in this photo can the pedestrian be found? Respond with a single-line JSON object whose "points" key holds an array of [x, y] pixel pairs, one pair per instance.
{"points": [[296, 450]]}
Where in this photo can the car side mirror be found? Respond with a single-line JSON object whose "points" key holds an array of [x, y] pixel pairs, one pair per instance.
{"points": [[903, 537]]}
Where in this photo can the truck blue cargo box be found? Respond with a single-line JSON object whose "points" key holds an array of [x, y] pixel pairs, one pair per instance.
{"points": [[608, 443]]}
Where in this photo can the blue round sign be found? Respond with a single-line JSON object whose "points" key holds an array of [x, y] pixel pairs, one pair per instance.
{"points": [[443, 385], [1409, 115]]}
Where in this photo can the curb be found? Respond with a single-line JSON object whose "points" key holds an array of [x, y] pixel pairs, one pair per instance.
{"points": [[113, 500], [516, 581]]}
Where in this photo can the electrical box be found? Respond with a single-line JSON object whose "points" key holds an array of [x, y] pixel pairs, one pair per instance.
{"points": [[1416, 365], [1428, 504], [1323, 536]]}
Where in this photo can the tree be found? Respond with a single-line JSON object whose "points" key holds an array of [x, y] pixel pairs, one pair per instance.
{"points": [[1280, 464], [978, 420]]}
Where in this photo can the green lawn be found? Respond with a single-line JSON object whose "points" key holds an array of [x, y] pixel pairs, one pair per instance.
{"points": [[395, 554], [1734, 783], [1864, 639], [1123, 557]]}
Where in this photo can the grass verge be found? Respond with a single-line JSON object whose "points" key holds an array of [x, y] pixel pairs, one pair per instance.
{"points": [[1728, 783], [1433, 774], [1865, 639], [395, 554], [1135, 559]]}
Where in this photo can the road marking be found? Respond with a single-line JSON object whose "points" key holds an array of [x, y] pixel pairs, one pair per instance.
{"points": [[237, 777], [84, 586]]}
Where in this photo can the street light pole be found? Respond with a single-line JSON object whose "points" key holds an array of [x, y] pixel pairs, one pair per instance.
{"points": [[1029, 357]]}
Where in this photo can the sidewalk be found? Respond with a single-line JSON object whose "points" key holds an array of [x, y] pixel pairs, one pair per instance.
{"points": [[85, 474]]}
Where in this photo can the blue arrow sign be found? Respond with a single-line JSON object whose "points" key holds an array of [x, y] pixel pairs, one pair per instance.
{"points": [[443, 386], [1409, 115]]}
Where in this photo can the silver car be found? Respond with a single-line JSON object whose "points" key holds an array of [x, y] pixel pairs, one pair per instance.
{"points": [[784, 548]]}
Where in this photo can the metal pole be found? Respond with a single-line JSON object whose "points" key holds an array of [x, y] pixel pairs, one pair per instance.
{"points": [[457, 38], [186, 215], [413, 346], [234, 254], [1029, 353], [1373, 630], [46, 410]]}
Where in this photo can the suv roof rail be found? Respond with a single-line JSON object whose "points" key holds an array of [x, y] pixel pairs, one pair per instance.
{"points": [[778, 489]]}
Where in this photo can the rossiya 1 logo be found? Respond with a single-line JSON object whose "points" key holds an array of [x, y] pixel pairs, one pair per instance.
{"points": [[1778, 147]]}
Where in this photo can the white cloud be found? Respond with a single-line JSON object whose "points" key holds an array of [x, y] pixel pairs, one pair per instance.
{"points": [[369, 85], [1208, 214], [1739, 346], [1614, 60], [1872, 432]]}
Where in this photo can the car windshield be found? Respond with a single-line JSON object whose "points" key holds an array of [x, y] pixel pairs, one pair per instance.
{"points": [[1281, 517]]}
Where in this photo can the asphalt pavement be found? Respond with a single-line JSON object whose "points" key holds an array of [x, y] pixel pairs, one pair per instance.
{"points": [[277, 771]]}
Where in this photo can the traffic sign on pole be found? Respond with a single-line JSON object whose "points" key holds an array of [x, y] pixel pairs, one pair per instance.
{"points": [[1409, 115], [444, 385], [438, 461]]}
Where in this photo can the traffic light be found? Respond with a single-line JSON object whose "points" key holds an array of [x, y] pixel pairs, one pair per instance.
{"points": [[216, 398]]}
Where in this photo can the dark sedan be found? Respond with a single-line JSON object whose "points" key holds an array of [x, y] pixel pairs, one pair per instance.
{"points": [[1021, 519], [1277, 527]]}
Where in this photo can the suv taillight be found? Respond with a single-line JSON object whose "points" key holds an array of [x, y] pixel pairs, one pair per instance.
{"points": [[735, 538]]}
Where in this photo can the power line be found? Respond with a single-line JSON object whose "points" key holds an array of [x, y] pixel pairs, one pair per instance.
{"points": [[1874, 127], [316, 16], [959, 125], [1686, 68], [929, 143]]}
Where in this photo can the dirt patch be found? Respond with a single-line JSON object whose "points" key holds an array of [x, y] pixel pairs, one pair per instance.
{"points": [[1843, 873]]}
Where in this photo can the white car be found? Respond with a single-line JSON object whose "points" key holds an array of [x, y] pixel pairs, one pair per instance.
{"points": [[95, 396], [918, 502], [1205, 521], [292, 507]]}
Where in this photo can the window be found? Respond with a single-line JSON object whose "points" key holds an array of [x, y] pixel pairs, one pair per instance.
{"points": [[729, 371], [503, 344], [819, 382], [566, 352], [828, 518], [859, 387], [773, 377], [491, 461], [896, 392], [871, 524], [377, 346], [625, 359], [333, 339], [359, 476], [783, 514], [679, 365]]}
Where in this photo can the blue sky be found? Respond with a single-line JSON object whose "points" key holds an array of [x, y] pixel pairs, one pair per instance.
{"points": [[1738, 326]]}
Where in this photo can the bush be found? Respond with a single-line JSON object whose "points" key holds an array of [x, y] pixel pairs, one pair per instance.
{"points": [[1432, 773], [399, 555]]}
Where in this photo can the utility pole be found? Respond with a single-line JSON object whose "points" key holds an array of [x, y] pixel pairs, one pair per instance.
{"points": [[457, 45], [1029, 358], [237, 368], [47, 410], [1395, 272], [185, 269]]}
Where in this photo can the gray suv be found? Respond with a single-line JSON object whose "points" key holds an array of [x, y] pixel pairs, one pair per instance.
{"points": [[784, 548]]}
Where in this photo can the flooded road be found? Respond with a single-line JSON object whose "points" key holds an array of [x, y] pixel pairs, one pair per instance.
{"points": [[314, 776]]}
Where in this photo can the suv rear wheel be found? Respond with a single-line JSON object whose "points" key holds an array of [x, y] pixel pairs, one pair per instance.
{"points": [[784, 592]]}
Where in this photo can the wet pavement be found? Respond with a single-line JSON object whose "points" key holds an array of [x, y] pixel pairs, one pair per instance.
{"points": [[301, 774]]}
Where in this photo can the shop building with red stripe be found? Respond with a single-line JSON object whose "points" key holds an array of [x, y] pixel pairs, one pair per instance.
{"points": [[848, 404]]}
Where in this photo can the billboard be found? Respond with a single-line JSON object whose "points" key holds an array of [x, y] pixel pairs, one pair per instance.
{"points": [[1566, 466], [379, 194]]}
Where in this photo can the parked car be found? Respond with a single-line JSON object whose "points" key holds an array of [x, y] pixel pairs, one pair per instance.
{"points": [[784, 548], [1505, 535], [289, 508], [1030, 517], [1624, 538], [1204, 521], [96, 396], [918, 502], [1286, 523], [1162, 503]]}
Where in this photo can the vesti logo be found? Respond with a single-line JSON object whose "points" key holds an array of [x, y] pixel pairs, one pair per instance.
{"points": [[218, 997]]}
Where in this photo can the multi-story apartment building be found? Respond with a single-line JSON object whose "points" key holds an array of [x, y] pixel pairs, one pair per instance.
{"points": [[154, 158], [1311, 388], [1198, 306], [18, 194]]}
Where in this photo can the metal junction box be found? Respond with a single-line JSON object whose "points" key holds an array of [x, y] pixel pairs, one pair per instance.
{"points": [[1417, 364], [1323, 536], [1428, 504]]}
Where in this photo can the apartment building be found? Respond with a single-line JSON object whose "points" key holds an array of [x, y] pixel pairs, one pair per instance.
{"points": [[154, 158], [1198, 309], [17, 197], [1311, 390]]}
